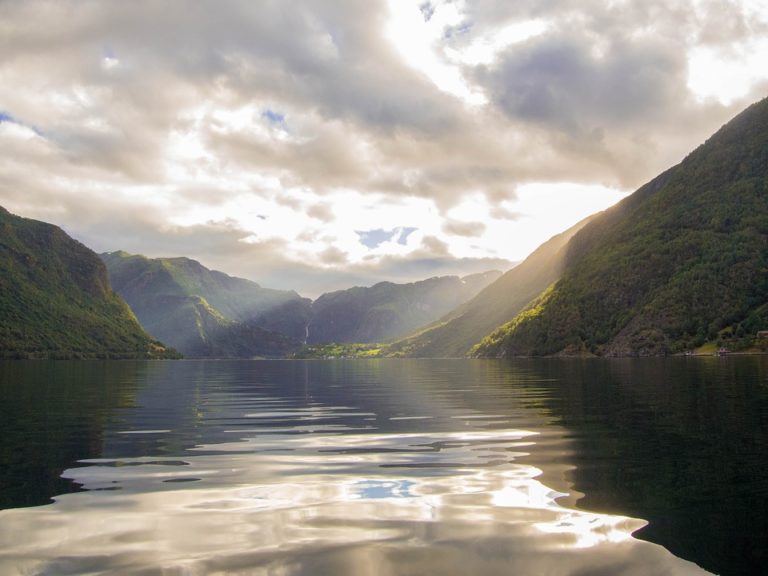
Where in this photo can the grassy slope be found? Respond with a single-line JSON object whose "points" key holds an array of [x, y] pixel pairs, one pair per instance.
{"points": [[56, 300], [455, 334], [681, 262]]}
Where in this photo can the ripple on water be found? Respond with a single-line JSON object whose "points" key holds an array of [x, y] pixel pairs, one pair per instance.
{"points": [[357, 503]]}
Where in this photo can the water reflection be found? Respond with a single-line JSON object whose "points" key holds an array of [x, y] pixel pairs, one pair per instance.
{"points": [[680, 442], [365, 468], [51, 415], [324, 504]]}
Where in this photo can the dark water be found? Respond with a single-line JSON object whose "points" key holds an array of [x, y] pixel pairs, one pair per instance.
{"points": [[385, 467]]}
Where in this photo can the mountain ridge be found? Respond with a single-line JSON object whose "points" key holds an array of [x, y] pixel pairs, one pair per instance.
{"points": [[388, 310], [207, 313], [456, 333], [200, 311], [56, 300], [679, 264]]}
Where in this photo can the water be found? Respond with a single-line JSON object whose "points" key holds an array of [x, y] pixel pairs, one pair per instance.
{"points": [[384, 467]]}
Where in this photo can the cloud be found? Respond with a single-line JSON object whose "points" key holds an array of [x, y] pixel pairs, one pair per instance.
{"points": [[503, 213], [268, 140], [222, 246], [471, 229], [433, 245], [604, 88], [333, 255], [321, 212], [559, 82]]}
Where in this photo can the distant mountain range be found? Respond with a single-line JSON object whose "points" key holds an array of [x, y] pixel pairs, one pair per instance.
{"points": [[203, 312], [386, 310], [56, 300]]}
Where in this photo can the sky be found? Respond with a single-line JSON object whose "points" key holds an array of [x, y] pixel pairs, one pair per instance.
{"points": [[318, 144]]}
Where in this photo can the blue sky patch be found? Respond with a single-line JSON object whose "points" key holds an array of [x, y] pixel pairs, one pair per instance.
{"points": [[405, 231], [273, 117], [373, 238], [6, 118], [377, 489]]}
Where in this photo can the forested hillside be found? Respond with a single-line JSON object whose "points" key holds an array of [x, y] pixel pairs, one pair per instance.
{"points": [[56, 300], [387, 310], [203, 312], [456, 333], [681, 263]]}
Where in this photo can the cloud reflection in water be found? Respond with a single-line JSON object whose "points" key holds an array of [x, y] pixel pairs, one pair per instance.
{"points": [[361, 503]]}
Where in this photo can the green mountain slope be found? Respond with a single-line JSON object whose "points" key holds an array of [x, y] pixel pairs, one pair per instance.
{"points": [[203, 312], [386, 310], [681, 262], [56, 300], [457, 332]]}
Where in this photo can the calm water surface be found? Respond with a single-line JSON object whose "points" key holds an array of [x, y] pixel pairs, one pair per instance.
{"points": [[385, 467]]}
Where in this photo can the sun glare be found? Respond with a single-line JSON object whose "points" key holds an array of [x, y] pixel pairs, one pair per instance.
{"points": [[727, 75], [417, 39], [515, 228], [486, 49]]}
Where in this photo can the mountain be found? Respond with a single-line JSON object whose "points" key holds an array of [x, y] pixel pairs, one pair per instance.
{"points": [[681, 263], [56, 300], [203, 312], [457, 332], [386, 310]]}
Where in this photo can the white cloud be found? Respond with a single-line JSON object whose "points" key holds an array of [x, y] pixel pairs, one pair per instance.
{"points": [[418, 40], [261, 138], [486, 49], [728, 74]]}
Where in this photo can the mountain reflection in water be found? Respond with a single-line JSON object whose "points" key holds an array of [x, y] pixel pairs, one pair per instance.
{"points": [[364, 468]]}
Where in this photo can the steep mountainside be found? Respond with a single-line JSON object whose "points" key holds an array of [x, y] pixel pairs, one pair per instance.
{"points": [[56, 300], [208, 313], [386, 310], [455, 334], [680, 263]]}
